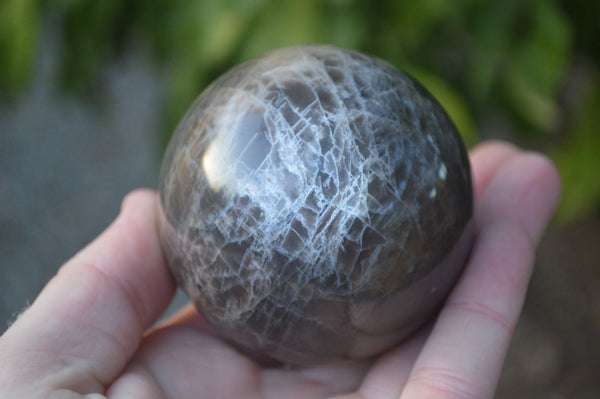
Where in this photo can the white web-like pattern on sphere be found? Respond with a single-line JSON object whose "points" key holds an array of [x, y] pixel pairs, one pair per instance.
{"points": [[299, 178]]}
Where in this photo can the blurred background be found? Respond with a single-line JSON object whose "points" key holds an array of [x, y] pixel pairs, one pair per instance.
{"points": [[90, 92]]}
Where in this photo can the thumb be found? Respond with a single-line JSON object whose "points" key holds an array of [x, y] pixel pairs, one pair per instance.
{"points": [[88, 321]]}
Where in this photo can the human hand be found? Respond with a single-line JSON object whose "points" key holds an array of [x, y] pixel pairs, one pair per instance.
{"points": [[89, 333]]}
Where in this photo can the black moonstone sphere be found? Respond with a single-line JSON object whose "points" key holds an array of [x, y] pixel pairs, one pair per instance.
{"points": [[316, 205]]}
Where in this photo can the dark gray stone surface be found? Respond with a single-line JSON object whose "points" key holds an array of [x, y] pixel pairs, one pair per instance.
{"points": [[316, 201]]}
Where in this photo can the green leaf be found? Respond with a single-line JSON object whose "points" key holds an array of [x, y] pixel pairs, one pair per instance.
{"points": [[284, 23], [543, 54], [19, 24], [490, 35], [414, 19], [91, 34], [537, 109], [343, 25], [537, 66], [579, 164]]}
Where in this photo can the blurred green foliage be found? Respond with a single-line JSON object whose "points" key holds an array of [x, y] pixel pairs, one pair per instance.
{"points": [[18, 30], [495, 66]]}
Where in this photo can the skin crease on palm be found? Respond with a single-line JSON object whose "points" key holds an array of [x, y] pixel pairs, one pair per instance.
{"points": [[90, 332]]}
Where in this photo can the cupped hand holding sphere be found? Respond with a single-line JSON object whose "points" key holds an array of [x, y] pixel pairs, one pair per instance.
{"points": [[93, 329]]}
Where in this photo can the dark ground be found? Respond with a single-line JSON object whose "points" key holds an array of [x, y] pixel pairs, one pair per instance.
{"points": [[555, 353], [65, 165]]}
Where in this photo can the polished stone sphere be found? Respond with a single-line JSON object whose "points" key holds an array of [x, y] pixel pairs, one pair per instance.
{"points": [[316, 205]]}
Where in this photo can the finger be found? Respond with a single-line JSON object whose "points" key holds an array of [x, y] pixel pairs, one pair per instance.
{"points": [[533, 200], [486, 159], [464, 354], [91, 316]]}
